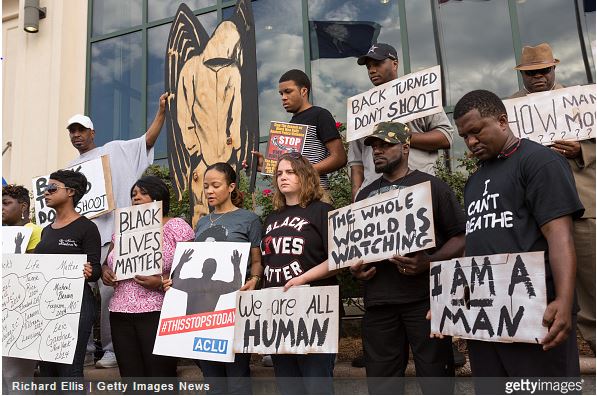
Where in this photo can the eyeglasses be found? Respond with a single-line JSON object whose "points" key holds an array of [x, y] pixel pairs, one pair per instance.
{"points": [[543, 71], [52, 188]]}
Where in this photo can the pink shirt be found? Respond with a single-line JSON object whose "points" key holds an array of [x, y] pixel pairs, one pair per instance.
{"points": [[129, 296]]}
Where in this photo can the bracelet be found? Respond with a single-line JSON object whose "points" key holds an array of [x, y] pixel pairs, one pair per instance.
{"points": [[162, 283], [254, 277]]}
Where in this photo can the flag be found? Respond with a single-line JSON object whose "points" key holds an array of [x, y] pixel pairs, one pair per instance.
{"points": [[342, 39]]}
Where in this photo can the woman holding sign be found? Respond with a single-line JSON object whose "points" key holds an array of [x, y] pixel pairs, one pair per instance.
{"points": [[295, 252], [137, 302], [71, 233]]}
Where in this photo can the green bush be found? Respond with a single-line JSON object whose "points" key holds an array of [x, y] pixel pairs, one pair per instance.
{"points": [[456, 179], [178, 208]]}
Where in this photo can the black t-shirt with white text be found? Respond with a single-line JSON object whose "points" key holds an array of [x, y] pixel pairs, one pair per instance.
{"points": [[388, 285]]}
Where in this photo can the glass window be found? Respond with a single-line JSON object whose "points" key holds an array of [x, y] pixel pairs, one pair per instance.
{"points": [[477, 48], [554, 22], [112, 15], [590, 21], [159, 9], [421, 40], [336, 79], [116, 87]]}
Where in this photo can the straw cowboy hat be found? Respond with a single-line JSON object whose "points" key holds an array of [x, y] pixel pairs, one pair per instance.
{"points": [[538, 57]]}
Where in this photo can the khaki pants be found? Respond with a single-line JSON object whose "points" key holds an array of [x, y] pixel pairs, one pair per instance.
{"points": [[584, 242]]}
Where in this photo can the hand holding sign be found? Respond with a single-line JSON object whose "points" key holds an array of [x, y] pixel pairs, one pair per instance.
{"points": [[568, 149], [359, 270], [558, 318], [87, 270], [414, 265], [151, 282], [108, 276]]}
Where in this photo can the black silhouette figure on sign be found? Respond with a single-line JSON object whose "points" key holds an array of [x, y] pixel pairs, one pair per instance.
{"points": [[18, 242]]}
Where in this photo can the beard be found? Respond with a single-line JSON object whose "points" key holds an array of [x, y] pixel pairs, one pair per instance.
{"points": [[388, 167]]}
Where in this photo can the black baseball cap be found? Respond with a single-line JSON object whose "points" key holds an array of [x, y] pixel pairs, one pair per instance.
{"points": [[379, 51]]}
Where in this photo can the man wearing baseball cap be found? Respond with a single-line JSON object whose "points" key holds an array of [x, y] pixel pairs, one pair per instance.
{"points": [[538, 71], [128, 161], [429, 134], [397, 290]]}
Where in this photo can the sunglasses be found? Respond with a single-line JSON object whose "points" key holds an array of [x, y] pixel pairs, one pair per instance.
{"points": [[543, 71], [52, 188]]}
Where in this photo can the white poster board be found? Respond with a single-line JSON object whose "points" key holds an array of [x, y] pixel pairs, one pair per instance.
{"points": [[41, 303], [197, 318], [396, 222], [297, 321], [561, 114], [499, 298], [404, 99], [97, 201], [15, 239], [138, 240]]}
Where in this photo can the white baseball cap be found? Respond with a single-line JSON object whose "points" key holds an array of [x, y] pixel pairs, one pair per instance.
{"points": [[80, 119]]}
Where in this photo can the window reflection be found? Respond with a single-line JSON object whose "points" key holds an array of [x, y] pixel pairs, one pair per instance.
{"points": [[158, 9], [112, 15], [115, 93], [590, 22], [421, 41]]}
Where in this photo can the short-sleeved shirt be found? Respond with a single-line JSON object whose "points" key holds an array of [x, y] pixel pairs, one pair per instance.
{"points": [[131, 297], [389, 286], [128, 161], [321, 129], [359, 154], [35, 236], [295, 239], [508, 200]]}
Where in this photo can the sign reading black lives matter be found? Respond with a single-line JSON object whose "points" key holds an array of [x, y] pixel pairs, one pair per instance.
{"points": [[561, 114], [499, 297], [41, 302], [297, 321], [98, 198], [138, 240], [395, 222], [404, 99]]}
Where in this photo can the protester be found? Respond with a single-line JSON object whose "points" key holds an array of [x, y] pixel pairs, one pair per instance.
{"points": [[64, 190], [536, 186], [136, 304], [538, 71], [297, 195], [128, 161], [397, 290]]}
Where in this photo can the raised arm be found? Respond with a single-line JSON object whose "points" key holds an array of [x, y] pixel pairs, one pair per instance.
{"points": [[156, 126]]}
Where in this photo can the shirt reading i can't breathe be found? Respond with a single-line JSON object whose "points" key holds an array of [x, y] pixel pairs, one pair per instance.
{"points": [[295, 240]]}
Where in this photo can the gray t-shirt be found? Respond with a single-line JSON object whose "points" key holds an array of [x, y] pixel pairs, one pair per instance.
{"points": [[128, 161], [236, 226], [424, 161]]}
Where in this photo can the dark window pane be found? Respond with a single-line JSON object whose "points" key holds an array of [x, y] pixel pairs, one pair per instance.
{"points": [[421, 41], [477, 48], [590, 21], [336, 79], [158, 9], [112, 15], [115, 94], [554, 22]]}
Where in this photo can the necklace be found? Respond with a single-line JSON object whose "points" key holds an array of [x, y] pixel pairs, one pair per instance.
{"points": [[394, 186], [212, 221]]}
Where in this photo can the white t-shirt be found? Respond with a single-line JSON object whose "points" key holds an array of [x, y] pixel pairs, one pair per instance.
{"points": [[128, 161]]}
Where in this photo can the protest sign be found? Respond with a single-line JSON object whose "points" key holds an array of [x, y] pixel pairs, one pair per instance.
{"points": [[561, 114], [500, 297], [396, 222], [41, 302], [404, 99], [284, 138], [138, 240], [15, 239], [98, 198], [197, 318], [297, 321]]}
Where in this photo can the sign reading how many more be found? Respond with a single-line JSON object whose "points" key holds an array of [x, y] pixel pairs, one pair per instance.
{"points": [[41, 302], [97, 200], [138, 240], [499, 298], [561, 114], [284, 138], [297, 321], [396, 222], [404, 99]]}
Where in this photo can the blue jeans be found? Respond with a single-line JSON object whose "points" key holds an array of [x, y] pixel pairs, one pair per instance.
{"points": [[228, 378], [305, 374]]}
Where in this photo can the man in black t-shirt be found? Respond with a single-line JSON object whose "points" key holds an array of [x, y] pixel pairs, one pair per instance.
{"points": [[529, 201], [397, 290]]}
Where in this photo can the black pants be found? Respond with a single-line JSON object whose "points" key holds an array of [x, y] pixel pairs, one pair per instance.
{"points": [[232, 378], [305, 374], [388, 330], [133, 336]]}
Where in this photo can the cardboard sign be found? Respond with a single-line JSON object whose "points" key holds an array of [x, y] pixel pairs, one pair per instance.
{"points": [[284, 138], [138, 240], [97, 201], [561, 114], [297, 321], [198, 314], [499, 298], [15, 239], [41, 303], [404, 99], [395, 222]]}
